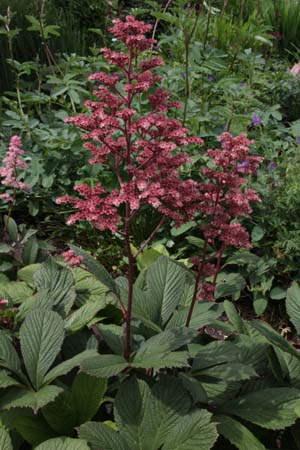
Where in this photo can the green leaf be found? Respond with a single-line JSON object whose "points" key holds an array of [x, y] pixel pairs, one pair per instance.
{"points": [[86, 396], [11, 227], [102, 436], [260, 304], [63, 444], [41, 335], [6, 380], [31, 426], [229, 284], [156, 351], [234, 317], [193, 432], [96, 269], [165, 284], [55, 287], [22, 398], [5, 442], [4, 248], [114, 337], [104, 366], [83, 315], [146, 417], [9, 357], [257, 233], [278, 293], [27, 273], [18, 291], [66, 366], [203, 314], [237, 434], [30, 251], [273, 337], [293, 305], [273, 409]]}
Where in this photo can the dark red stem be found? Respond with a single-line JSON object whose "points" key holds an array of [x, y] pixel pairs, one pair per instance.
{"points": [[196, 288]]}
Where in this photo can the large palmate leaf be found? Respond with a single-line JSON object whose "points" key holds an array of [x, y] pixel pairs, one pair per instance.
{"points": [[96, 269], [66, 366], [5, 442], [41, 336], [165, 286], [269, 408], [23, 398], [104, 366], [102, 436], [55, 287], [234, 317], [150, 419], [193, 432], [237, 434], [158, 351], [293, 305], [63, 444], [9, 357], [146, 416]]}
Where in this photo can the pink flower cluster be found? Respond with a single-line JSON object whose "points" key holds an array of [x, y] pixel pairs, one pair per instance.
{"points": [[9, 171], [70, 257], [224, 199], [144, 151]]}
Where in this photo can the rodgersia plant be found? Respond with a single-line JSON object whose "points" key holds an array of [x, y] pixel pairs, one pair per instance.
{"points": [[142, 150], [145, 155]]}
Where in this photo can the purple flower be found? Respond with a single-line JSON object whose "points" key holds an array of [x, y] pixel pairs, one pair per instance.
{"points": [[243, 164], [272, 165], [242, 84], [256, 120], [298, 140], [276, 184], [184, 76], [210, 78]]}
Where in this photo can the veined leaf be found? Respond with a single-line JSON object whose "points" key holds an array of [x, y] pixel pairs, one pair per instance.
{"points": [[66, 366], [234, 317], [41, 335], [145, 416], [273, 408], [22, 398], [194, 431], [165, 282], [86, 396], [96, 269], [63, 444], [237, 434], [104, 366], [102, 436], [31, 426], [273, 337], [293, 305], [203, 314], [9, 357], [157, 352], [6, 380], [83, 315], [5, 442], [56, 287]]}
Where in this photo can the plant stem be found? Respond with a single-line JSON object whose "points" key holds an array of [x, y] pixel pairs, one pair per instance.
{"points": [[157, 21], [131, 261], [196, 288], [141, 249]]}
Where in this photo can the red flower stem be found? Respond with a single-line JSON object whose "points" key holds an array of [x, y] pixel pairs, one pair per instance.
{"points": [[149, 239], [130, 278], [196, 288], [219, 260]]}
